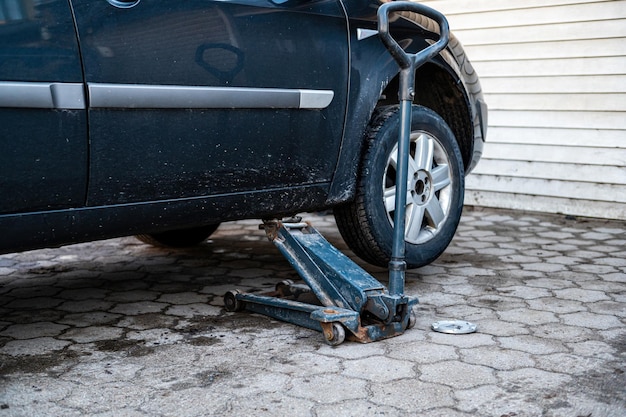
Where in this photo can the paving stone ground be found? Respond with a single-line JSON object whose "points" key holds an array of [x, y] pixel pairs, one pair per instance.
{"points": [[119, 328]]}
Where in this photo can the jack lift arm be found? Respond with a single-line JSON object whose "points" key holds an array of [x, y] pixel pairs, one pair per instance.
{"points": [[347, 297]]}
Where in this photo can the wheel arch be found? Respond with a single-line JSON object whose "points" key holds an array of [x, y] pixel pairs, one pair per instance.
{"points": [[438, 90], [447, 85]]}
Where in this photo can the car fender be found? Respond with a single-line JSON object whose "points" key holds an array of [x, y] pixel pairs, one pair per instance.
{"points": [[372, 71]]}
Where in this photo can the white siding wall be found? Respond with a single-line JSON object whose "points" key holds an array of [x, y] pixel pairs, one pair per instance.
{"points": [[554, 77]]}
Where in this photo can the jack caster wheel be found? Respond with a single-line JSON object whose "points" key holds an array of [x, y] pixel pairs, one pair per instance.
{"points": [[231, 303], [412, 320], [284, 288], [337, 336]]}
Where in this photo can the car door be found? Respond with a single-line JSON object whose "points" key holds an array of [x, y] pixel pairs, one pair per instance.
{"points": [[202, 97], [43, 130]]}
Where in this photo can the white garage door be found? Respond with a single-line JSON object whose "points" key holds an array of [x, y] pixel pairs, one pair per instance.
{"points": [[554, 76]]}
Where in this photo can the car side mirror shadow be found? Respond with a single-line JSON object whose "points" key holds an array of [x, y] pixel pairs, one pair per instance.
{"points": [[226, 74]]}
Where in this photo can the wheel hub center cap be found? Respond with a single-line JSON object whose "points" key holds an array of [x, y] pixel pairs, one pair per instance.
{"points": [[421, 187]]}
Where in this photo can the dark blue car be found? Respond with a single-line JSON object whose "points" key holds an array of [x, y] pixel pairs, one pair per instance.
{"points": [[164, 119]]}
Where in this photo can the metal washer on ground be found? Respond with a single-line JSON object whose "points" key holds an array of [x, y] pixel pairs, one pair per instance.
{"points": [[454, 327]]}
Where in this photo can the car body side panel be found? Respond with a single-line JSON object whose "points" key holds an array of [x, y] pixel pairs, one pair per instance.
{"points": [[372, 68], [168, 165], [148, 152], [43, 140], [27, 231]]}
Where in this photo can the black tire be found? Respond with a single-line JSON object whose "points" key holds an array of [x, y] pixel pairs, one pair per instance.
{"points": [[180, 238], [434, 201]]}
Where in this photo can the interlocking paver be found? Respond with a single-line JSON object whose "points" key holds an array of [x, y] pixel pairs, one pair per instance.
{"points": [[378, 369], [456, 374], [194, 310], [608, 307], [139, 307], [533, 344], [529, 316], [545, 267], [36, 303], [548, 283], [84, 306], [582, 295], [134, 296], [533, 380], [562, 332], [593, 349], [569, 364], [92, 334], [423, 352], [272, 404], [32, 330], [496, 358], [592, 320], [524, 292], [357, 408], [118, 328], [411, 396], [485, 400], [33, 347], [328, 388]]}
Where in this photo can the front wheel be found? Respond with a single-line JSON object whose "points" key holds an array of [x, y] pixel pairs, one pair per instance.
{"points": [[435, 190]]}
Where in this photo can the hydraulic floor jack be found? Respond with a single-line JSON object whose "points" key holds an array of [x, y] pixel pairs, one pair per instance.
{"points": [[346, 297]]}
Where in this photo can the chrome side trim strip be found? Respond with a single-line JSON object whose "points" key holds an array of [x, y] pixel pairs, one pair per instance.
{"points": [[192, 97], [71, 96], [315, 99], [68, 96]]}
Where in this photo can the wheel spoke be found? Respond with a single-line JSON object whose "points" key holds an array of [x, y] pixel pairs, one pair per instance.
{"points": [[424, 150], [390, 199], [393, 158], [441, 177], [414, 220], [434, 212], [414, 163], [413, 166]]}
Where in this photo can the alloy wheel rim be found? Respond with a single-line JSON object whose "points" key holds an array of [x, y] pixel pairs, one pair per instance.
{"points": [[429, 187]]}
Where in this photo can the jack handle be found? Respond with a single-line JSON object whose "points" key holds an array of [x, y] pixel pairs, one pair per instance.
{"points": [[410, 62]]}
